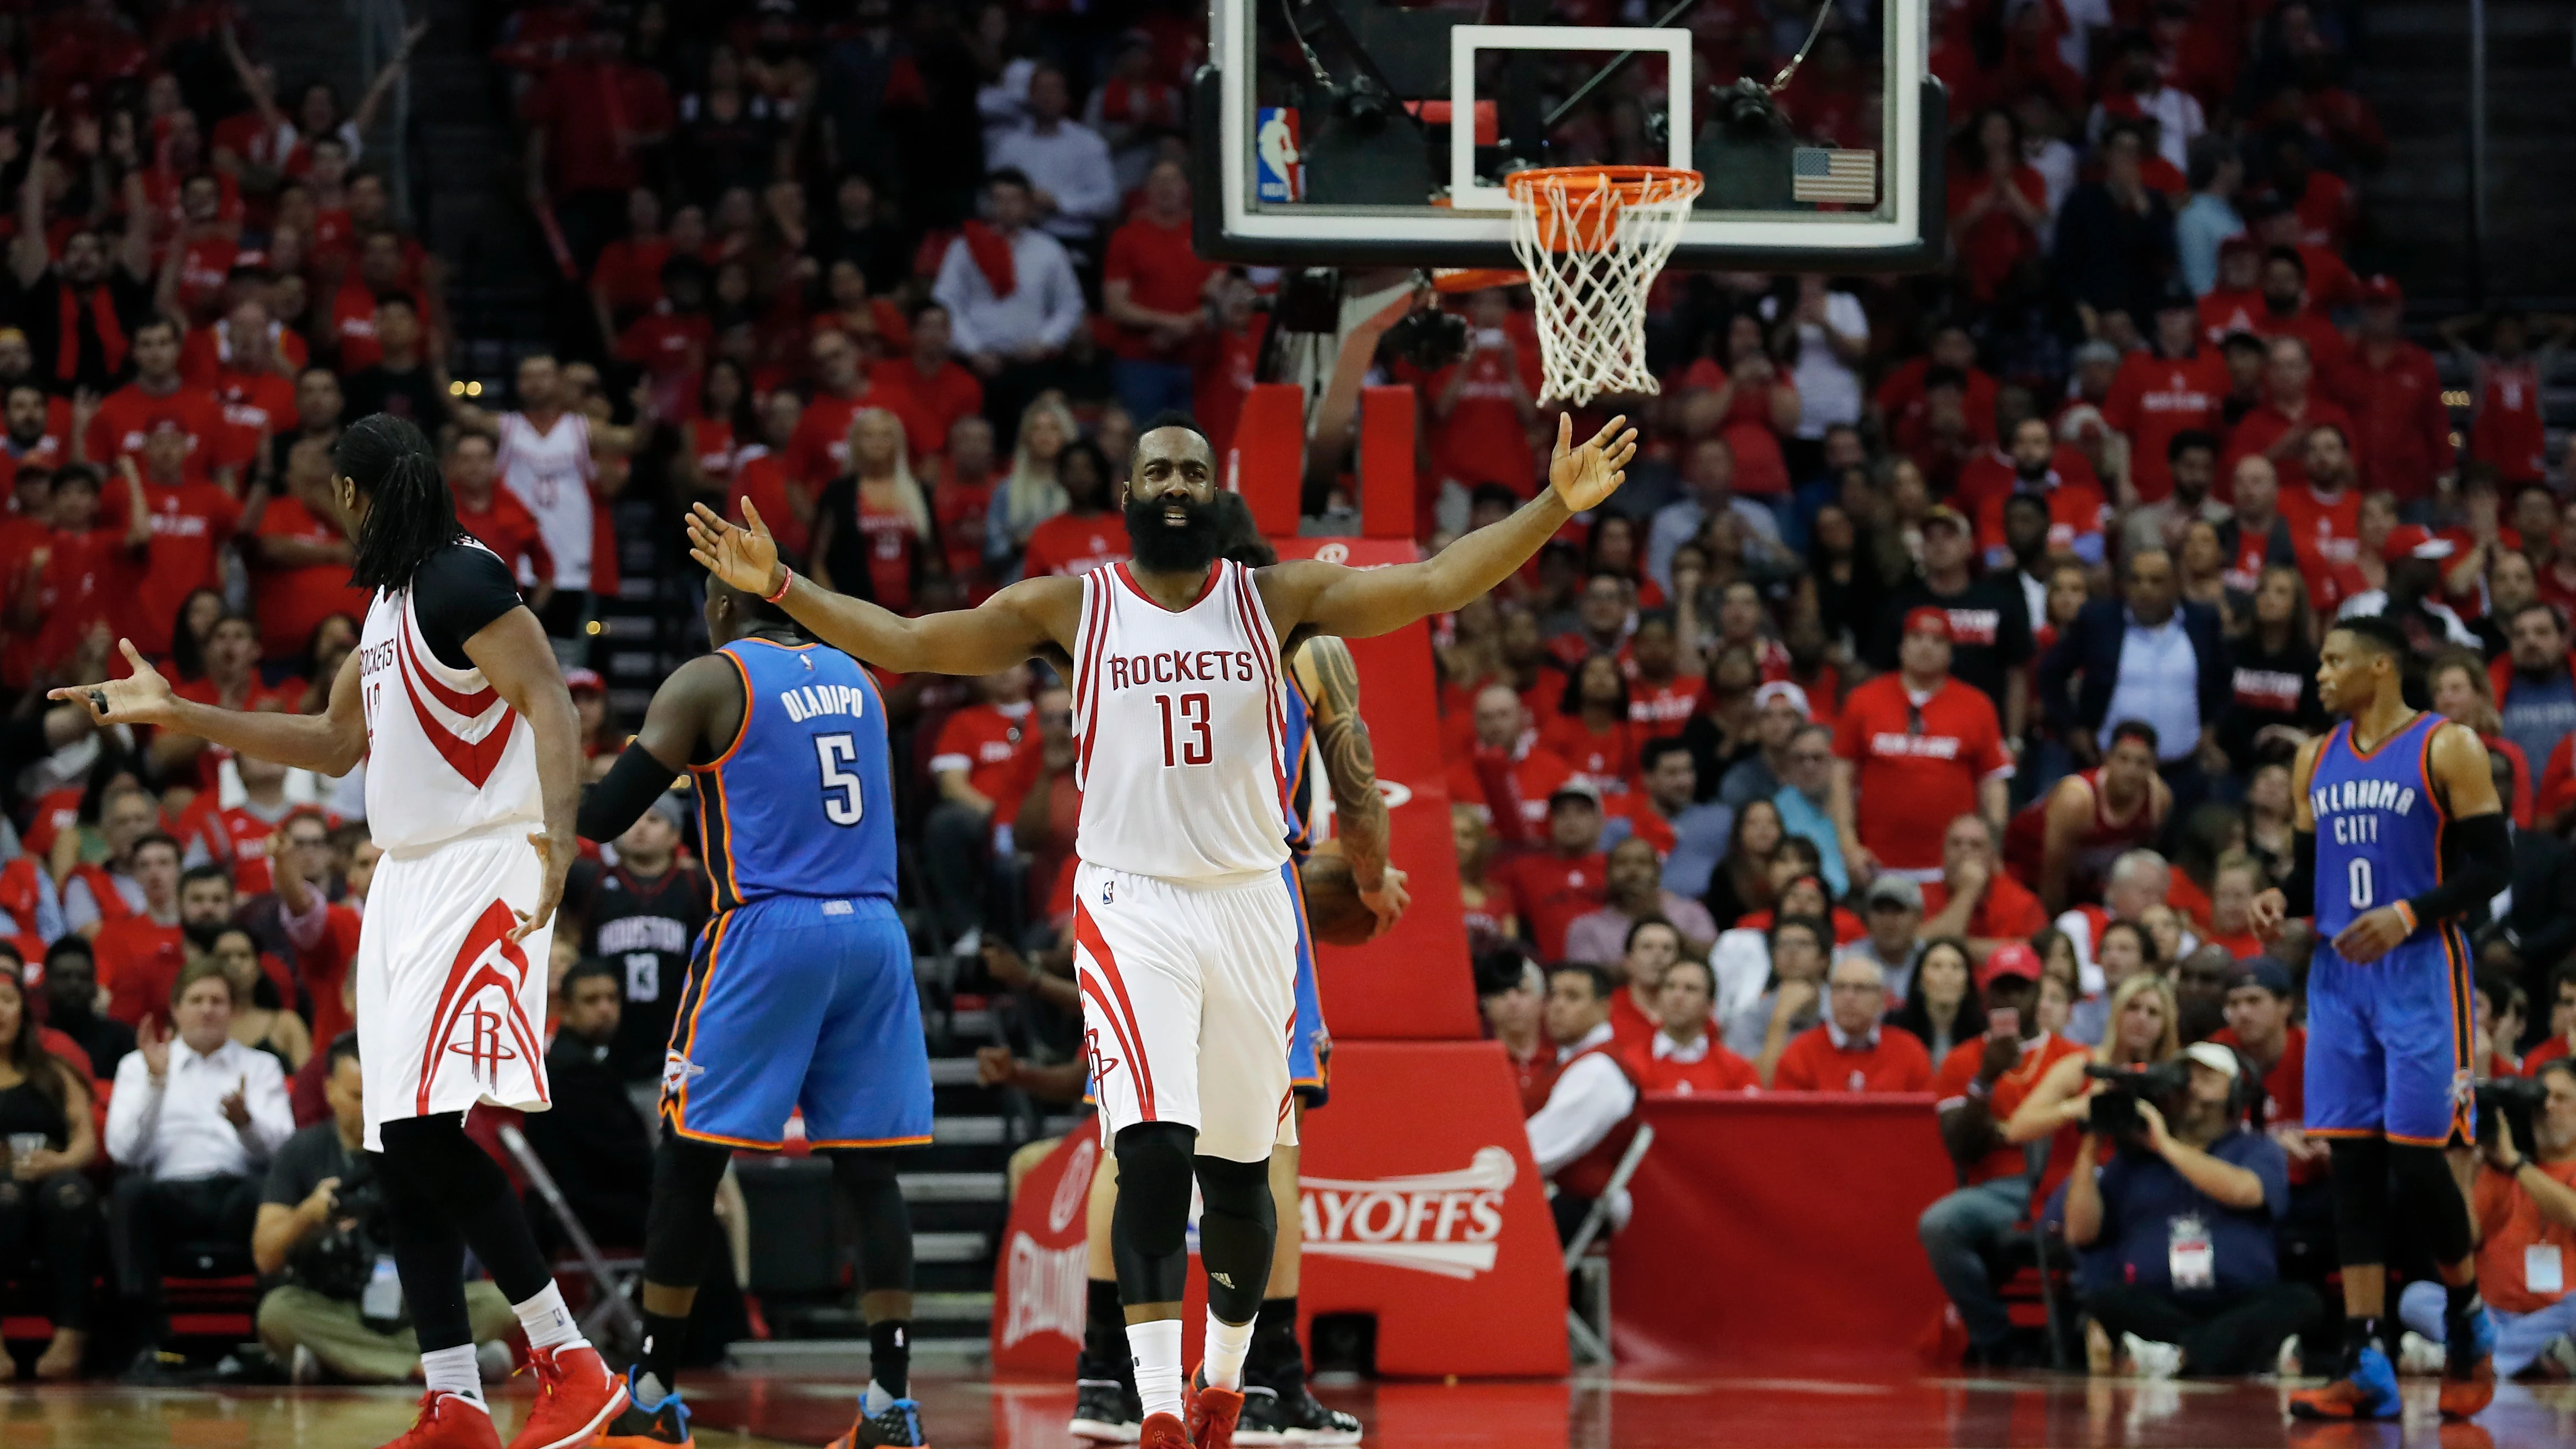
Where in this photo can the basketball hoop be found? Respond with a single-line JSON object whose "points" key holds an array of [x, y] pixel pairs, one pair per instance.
{"points": [[1592, 239]]}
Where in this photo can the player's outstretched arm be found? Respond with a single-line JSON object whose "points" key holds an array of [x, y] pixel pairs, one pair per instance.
{"points": [[1358, 603], [675, 732], [1004, 630], [520, 665], [330, 743]]}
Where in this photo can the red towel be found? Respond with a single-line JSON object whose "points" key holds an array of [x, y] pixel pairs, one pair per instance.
{"points": [[992, 253]]}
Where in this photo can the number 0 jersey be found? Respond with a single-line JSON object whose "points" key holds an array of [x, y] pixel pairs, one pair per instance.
{"points": [[803, 802], [2379, 831], [1180, 730]]}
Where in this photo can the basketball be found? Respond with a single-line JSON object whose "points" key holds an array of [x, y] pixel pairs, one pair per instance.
{"points": [[1334, 910]]}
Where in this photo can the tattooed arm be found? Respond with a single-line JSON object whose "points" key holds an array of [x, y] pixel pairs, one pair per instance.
{"points": [[1330, 683]]}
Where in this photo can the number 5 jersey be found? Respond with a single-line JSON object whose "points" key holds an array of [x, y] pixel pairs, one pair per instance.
{"points": [[799, 805]]}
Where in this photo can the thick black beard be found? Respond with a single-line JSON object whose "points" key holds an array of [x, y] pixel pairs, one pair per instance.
{"points": [[203, 934], [1163, 549]]}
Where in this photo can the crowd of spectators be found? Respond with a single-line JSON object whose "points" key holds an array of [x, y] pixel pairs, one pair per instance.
{"points": [[1916, 720]]}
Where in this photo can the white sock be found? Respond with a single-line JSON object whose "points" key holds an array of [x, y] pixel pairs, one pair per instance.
{"points": [[454, 1371], [548, 1322], [1227, 1343], [1156, 1350]]}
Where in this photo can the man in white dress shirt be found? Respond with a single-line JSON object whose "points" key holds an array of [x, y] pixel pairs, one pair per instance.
{"points": [[194, 1119], [1578, 1136], [1076, 189], [1010, 315]]}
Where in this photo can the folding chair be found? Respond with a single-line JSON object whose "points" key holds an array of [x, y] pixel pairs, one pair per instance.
{"points": [[611, 1315], [2050, 1266], [1587, 1312]]}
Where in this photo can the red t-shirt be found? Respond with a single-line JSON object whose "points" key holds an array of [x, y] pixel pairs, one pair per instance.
{"points": [[1530, 779], [2075, 510], [324, 967], [1663, 708], [1163, 273], [1607, 758], [762, 477], [2260, 429], [1553, 892], [927, 406], [981, 740], [1999, 240], [2152, 399], [93, 577], [1917, 770], [819, 451], [1227, 366], [505, 526], [2325, 525], [190, 526], [1895, 1062], [353, 323], [138, 963], [1720, 1072], [1483, 439], [2008, 909], [2507, 429], [1760, 467], [666, 344], [2404, 441], [291, 601], [1959, 1068], [630, 272], [590, 108], [129, 414], [1071, 543]]}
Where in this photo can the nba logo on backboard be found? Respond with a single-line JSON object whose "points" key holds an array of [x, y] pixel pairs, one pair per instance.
{"points": [[1277, 175]]}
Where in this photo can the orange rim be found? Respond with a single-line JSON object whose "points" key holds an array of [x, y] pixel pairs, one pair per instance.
{"points": [[1631, 183], [1577, 208], [1449, 281]]}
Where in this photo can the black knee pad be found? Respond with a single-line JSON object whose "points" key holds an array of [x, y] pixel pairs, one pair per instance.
{"points": [[1149, 1233], [1236, 1189], [2430, 1197], [1238, 1231], [679, 1228], [2360, 1199], [867, 1177]]}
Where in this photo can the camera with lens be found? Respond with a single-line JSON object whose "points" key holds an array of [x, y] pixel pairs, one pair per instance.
{"points": [[338, 1261], [2115, 1107], [1430, 338], [2510, 1099]]}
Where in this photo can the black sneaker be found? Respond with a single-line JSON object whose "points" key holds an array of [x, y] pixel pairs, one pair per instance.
{"points": [[1106, 1412], [1293, 1417], [899, 1426], [665, 1425]]}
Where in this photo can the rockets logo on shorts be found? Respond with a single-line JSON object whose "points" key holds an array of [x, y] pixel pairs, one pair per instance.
{"points": [[1102, 1064], [479, 1017]]}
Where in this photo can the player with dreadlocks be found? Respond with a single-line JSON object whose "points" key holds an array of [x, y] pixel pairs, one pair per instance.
{"points": [[456, 703]]}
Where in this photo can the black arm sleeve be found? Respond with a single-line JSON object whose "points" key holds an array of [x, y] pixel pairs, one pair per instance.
{"points": [[612, 804], [2299, 892], [2477, 862], [457, 591]]}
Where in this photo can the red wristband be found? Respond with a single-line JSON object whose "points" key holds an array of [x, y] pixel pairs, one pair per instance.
{"points": [[786, 581]]}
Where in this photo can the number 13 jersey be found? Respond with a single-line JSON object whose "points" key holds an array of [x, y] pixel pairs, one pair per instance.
{"points": [[1180, 730], [802, 804]]}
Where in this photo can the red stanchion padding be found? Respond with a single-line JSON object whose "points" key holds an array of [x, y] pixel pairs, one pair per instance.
{"points": [[1041, 1281], [1779, 1231], [1419, 1205], [1267, 463], [1387, 420], [1414, 983]]}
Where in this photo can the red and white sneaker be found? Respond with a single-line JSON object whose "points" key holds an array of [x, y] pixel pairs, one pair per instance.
{"points": [[449, 1421], [1162, 1431], [576, 1394], [1210, 1413]]}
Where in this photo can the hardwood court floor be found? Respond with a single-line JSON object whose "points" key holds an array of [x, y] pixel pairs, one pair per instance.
{"points": [[760, 1411]]}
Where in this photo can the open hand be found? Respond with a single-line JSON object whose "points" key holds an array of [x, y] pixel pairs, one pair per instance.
{"points": [[1584, 476], [744, 555], [143, 699]]}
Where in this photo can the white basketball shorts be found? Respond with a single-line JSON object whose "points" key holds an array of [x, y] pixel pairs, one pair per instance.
{"points": [[1189, 996], [450, 1011]]}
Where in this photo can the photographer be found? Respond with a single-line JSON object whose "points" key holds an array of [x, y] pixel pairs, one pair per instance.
{"points": [[321, 1221], [2182, 1217], [2524, 1208]]}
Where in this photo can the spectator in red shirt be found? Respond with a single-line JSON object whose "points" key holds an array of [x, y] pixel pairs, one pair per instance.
{"points": [[126, 416], [626, 279], [139, 954], [2262, 1007], [1510, 777], [973, 765], [1590, 730], [1227, 359], [2321, 506], [2403, 436], [1975, 898], [2278, 429], [2292, 307], [1567, 879], [1917, 749], [301, 557], [192, 523], [231, 681], [1852, 1051], [1090, 533], [1154, 291], [85, 575], [929, 390], [496, 517], [590, 123], [820, 451], [1998, 205], [2505, 427], [2076, 510], [1482, 408], [1748, 402], [1683, 1057], [2158, 396]]}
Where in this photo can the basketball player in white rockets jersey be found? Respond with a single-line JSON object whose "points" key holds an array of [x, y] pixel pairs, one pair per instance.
{"points": [[455, 698], [1184, 931]]}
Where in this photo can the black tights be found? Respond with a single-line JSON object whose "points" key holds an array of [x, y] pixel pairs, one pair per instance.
{"points": [[680, 1230], [53, 1218], [447, 1195]]}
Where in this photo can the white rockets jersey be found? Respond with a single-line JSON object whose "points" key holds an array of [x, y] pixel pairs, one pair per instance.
{"points": [[551, 473], [1180, 730], [446, 756]]}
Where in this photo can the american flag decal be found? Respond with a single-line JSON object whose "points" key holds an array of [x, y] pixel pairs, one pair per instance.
{"points": [[1818, 173]]}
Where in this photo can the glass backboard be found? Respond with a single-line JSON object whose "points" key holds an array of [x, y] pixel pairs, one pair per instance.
{"points": [[1360, 133]]}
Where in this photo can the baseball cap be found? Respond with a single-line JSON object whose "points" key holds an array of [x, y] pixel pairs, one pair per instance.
{"points": [[1779, 689], [2413, 540], [2097, 350], [577, 680], [2219, 1059], [1894, 889], [668, 806], [2383, 290], [1944, 513], [1577, 787], [2176, 297], [1928, 620], [2263, 971], [2010, 959]]}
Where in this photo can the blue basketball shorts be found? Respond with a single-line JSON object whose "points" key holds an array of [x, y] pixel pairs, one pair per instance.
{"points": [[2388, 1050]]}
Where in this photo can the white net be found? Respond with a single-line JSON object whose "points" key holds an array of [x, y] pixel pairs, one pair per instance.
{"points": [[1592, 240]]}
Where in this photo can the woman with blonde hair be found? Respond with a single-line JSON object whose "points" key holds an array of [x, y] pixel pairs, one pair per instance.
{"points": [[873, 534], [1030, 494], [2144, 1030], [2463, 693]]}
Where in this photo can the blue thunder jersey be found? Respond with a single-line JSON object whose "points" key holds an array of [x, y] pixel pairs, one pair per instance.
{"points": [[1301, 769], [2379, 831], [802, 804]]}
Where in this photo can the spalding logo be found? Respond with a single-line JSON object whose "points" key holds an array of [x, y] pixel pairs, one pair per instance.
{"points": [[1444, 1223]]}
